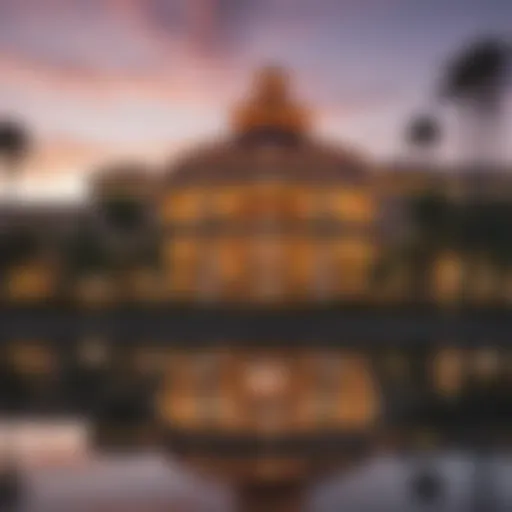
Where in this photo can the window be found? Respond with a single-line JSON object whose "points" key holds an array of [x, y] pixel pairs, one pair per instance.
{"points": [[301, 203], [268, 257], [354, 205], [268, 387], [33, 358], [447, 277], [182, 263], [30, 281], [353, 259], [207, 378], [359, 401], [301, 266], [233, 266], [230, 203], [328, 378], [184, 206], [449, 371], [267, 379]]}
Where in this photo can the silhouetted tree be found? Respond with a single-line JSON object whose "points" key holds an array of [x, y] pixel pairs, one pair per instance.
{"points": [[481, 237], [14, 145], [124, 214], [475, 80], [86, 253], [430, 218], [423, 135]]}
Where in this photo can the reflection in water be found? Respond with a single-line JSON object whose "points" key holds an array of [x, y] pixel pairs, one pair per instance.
{"points": [[151, 483], [384, 485]]}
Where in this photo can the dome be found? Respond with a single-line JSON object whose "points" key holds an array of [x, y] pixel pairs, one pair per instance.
{"points": [[231, 162], [270, 140]]}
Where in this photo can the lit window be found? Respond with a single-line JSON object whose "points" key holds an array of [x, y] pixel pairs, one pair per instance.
{"points": [[350, 205], [233, 266], [268, 384], [328, 378], [267, 379], [30, 281], [229, 203], [207, 376], [268, 270], [448, 371], [184, 206], [301, 266], [181, 261]]}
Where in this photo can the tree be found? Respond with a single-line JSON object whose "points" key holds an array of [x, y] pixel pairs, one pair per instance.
{"points": [[430, 217], [86, 253], [423, 134], [483, 239], [14, 145], [476, 80], [124, 214]]}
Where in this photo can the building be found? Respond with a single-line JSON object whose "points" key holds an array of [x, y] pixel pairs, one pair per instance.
{"points": [[271, 214], [228, 309]]}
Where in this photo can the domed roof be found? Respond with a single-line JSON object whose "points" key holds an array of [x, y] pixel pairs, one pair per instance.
{"points": [[270, 141], [231, 162]]}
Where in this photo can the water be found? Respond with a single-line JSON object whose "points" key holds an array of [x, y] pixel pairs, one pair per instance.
{"points": [[153, 484], [384, 485]]}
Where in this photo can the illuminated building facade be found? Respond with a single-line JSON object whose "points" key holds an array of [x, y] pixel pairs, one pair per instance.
{"points": [[272, 214]]}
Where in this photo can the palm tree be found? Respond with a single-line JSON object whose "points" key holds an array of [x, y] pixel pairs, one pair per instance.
{"points": [[427, 216], [14, 145], [475, 80], [423, 134]]}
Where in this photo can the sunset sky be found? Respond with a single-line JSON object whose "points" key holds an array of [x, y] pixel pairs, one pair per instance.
{"points": [[101, 79]]}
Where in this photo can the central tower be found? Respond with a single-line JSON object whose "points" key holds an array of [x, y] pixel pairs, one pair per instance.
{"points": [[270, 110]]}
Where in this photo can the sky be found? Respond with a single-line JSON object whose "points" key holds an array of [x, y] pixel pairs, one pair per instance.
{"points": [[103, 80]]}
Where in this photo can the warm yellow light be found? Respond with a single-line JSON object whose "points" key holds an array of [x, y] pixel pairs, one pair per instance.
{"points": [[267, 378]]}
